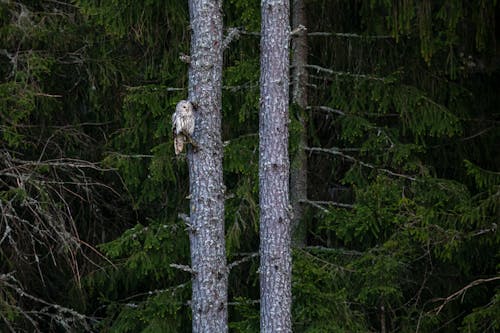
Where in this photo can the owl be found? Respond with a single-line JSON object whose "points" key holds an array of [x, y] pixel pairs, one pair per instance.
{"points": [[182, 125]]}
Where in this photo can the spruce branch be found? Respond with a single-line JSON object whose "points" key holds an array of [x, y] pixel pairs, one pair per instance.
{"points": [[336, 151]]}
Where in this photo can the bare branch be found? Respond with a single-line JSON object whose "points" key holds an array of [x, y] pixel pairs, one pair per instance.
{"points": [[156, 88], [242, 260], [326, 203], [184, 268], [249, 33], [156, 292], [460, 292], [319, 69], [326, 108], [336, 151], [348, 35], [300, 30], [62, 315], [113, 153], [47, 95], [321, 34], [328, 263], [334, 250], [251, 302], [232, 34]]}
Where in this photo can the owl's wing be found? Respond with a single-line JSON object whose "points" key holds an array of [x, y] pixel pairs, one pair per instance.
{"points": [[175, 123]]}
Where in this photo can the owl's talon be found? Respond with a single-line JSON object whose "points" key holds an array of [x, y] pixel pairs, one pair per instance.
{"points": [[194, 144]]}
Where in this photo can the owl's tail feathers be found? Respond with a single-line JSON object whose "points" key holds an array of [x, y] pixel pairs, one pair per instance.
{"points": [[179, 141]]}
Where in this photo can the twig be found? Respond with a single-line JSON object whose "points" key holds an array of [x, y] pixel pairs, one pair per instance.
{"points": [[317, 203], [242, 260], [58, 308], [300, 30], [97, 252], [232, 34], [249, 33], [341, 268], [184, 268], [156, 292], [130, 155], [338, 73], [47, 95], [155, 88], [252, 302], [460, 292], [335, 250], [325, 34], [347, 35], [336, 151], [326, 108]]}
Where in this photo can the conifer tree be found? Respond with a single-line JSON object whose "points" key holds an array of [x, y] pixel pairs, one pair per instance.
{"points": [[275, 256], [206, 223]]}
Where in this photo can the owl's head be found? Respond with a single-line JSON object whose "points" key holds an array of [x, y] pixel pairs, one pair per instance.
{"points": [[184, 106]]}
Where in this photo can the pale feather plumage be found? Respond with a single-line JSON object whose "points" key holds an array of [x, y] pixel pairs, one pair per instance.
{"points": [[182, 125]]}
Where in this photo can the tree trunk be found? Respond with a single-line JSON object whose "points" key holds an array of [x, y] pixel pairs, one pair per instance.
{"points": [[208, 253], [298, 176], [275, 258]]}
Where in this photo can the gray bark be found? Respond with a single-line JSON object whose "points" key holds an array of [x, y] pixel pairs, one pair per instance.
{"points": [[275, 257], [298, 176], [208, 254]]}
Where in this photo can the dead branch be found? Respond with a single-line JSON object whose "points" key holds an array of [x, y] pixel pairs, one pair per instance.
{"points": [[63, 315], [242, 260], [184, 268], [347, 35], [319, 69], [156, 292], [326, 108], [232, 34], [320, 204], [336, 151], [459, 293]]}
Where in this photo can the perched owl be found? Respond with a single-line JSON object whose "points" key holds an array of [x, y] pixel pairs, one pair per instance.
{"points": [[182, 125]]}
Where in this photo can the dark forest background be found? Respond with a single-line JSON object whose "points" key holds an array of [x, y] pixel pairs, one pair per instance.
{"points": [[399, 229]]}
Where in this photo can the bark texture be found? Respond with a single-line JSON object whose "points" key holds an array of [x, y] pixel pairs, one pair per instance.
{"points": [[208, 254], [275, 264], [298, 176]]}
